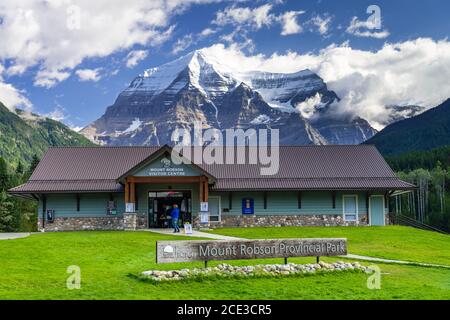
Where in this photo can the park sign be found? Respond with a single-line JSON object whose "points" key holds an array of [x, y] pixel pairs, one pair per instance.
{"points": [[200, 250]]}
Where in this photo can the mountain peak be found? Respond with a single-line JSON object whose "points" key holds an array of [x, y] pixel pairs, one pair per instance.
{"points": [[202, 86]]}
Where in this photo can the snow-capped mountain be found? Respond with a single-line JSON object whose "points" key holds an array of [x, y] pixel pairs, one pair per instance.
{"points": [[199, 87]]}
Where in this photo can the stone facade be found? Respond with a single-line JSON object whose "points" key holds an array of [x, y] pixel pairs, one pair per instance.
{"points": [[136, 221], [280, 221], [83, 223], [129, 221]]}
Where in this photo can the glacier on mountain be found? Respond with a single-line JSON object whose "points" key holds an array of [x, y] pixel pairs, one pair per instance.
{"points": [[200, 87]]}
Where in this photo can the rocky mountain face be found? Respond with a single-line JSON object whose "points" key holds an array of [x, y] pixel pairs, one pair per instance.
{"points": [[198, 87], [24, 134]]}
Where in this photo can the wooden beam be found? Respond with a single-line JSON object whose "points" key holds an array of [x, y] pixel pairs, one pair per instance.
{"points": [[230, 200], [169, 179], [299, 199]]}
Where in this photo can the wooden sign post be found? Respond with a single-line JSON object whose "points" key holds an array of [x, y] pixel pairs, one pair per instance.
{"points": [[200, 250]]}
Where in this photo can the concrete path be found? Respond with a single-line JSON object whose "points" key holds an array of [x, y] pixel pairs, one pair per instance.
{"points": [[8, 236], [195, 234], [200, 234], [365, 258]]}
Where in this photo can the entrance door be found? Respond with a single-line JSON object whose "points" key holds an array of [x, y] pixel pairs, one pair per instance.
{"points": [[376, 210], [214, 209], [160, 205]]}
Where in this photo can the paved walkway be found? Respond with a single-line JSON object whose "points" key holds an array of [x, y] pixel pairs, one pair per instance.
{"points": [[200, 234], [366, 258], [8, 236], [195, 234]]}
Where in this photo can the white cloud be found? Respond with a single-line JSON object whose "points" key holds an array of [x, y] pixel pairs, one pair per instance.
{"points": [[366, 29], [207, 32], [413, 72], [135, 56], [182, 44], [13, 98], [89, 74], [56, 36], [321, 23], [57, 114], [76, 128], [49, 77], [289, 23], [243, 16]]}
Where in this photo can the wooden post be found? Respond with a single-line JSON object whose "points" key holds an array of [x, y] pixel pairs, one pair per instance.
{"points": [[285, 260], [230, 200], [201, 190], [127, 192], [317, 259], [205, 189], [299, 200], [133, 193]]}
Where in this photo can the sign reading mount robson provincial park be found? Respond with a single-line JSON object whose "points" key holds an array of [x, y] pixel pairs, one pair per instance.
{"points": [[200, 250]]}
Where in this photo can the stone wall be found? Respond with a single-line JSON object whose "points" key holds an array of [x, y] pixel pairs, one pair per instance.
{"points": [[129, 221], [280, 221], [82, 223], [135, 220]]}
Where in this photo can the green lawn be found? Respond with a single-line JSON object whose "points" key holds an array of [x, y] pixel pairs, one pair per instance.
{"points": [[35, 268], [390, 242]]}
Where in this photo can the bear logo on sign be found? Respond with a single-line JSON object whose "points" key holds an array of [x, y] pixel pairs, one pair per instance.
{"points": [[168, 250], [166, 163]]}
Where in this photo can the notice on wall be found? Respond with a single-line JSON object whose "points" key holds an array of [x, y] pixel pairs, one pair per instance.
{"points": [[204, 217], [204, 206], [200, 250]]}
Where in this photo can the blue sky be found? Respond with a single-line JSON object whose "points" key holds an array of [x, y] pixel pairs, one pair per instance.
{"points": [[73, 74]]}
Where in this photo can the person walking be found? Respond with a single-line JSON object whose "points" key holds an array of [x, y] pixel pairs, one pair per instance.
{"points": [[175, 215]]}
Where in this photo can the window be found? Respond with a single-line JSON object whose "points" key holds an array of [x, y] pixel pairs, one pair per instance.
{"points": [[350, 204]]}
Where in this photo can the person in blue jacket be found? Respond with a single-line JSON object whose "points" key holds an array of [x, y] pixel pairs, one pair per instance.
{"points": [[175, 215]]}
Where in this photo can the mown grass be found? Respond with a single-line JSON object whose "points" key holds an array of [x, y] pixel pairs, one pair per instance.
{"points": [[110, 262], [390, 242]]}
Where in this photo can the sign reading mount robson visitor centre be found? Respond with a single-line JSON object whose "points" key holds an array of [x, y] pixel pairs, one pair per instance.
{"points": [[200, 250]]}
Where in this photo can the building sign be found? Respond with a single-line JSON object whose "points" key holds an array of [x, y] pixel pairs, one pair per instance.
{"points": [[199, 250], [204, 217], [204, 206], [167, 169], [248, 206]]}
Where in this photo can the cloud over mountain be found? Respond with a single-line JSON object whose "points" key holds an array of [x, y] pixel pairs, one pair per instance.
{"points": [[406, 73]]}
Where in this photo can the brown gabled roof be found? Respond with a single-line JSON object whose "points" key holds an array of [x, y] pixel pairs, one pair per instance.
{"points": [[92, 169]]}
